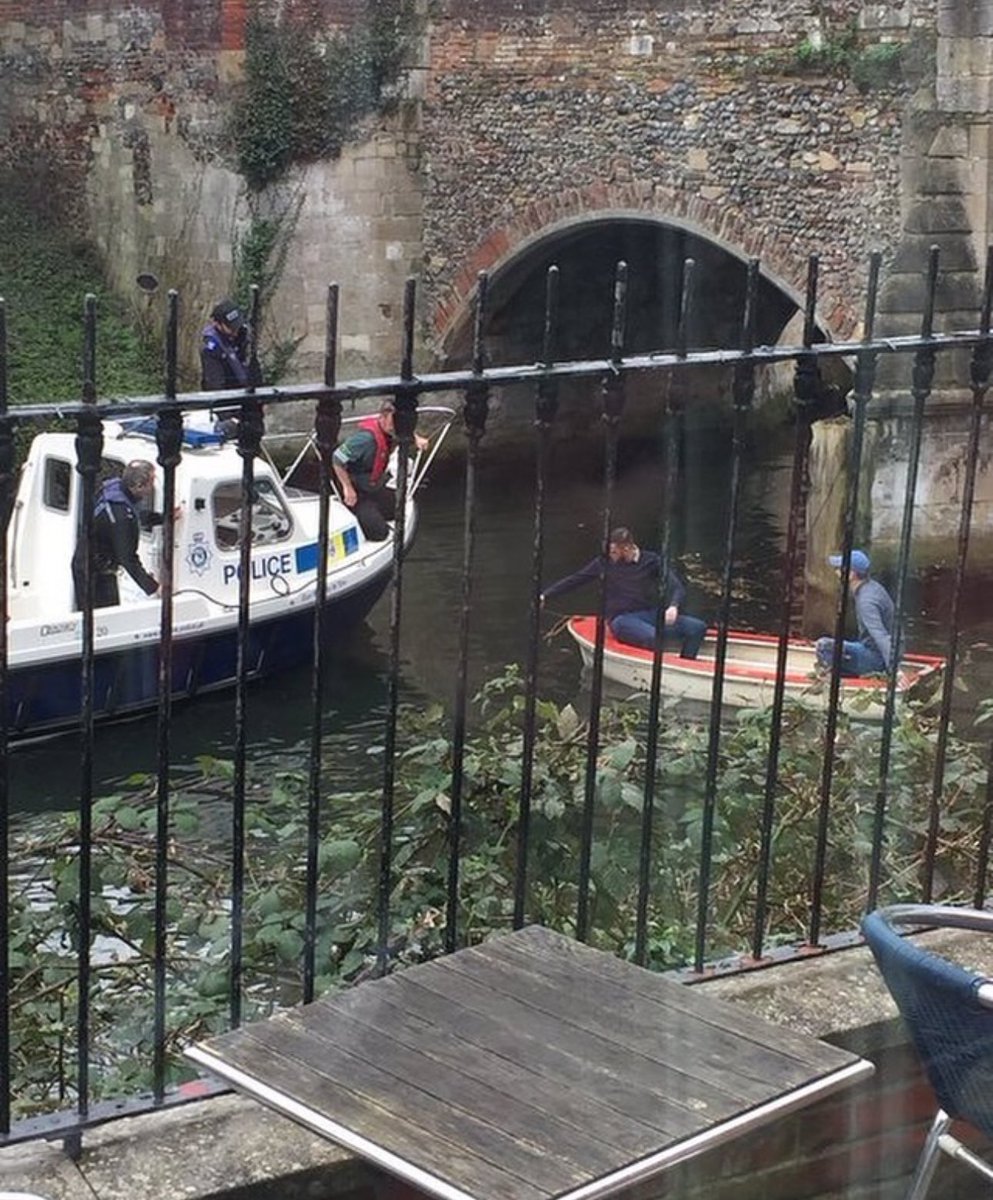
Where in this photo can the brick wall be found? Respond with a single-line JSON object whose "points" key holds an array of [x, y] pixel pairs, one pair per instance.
{"points": [[532, 115]]}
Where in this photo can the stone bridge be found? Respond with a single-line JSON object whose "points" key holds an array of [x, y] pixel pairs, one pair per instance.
{"points": [[540, 130], [530, 132]]}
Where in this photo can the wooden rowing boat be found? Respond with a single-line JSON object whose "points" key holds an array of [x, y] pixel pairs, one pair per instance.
{"points": [[749, 671]]}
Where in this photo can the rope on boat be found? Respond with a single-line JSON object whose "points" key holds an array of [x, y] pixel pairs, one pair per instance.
{"points": [[562, 620]]}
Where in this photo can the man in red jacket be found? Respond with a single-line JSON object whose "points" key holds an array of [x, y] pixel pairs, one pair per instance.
{"points": [[360, 466]]}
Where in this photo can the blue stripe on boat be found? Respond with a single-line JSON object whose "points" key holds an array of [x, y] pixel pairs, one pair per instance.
{"points": [[306, 558]]}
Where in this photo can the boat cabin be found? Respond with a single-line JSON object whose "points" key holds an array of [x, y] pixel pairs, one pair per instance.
{"points": [[46, 520]]}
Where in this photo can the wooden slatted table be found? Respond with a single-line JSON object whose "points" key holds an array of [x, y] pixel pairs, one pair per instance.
{"points": [[528, 1068]]}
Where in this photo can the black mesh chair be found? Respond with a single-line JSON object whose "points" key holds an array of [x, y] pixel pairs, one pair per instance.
{"points": [[949, 1013]]}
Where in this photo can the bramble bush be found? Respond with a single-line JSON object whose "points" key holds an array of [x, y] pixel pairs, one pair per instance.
{"points": [[45, 928]]}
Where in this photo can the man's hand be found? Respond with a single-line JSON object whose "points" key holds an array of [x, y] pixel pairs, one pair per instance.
{"points": [[671, 613], [349, 496]]}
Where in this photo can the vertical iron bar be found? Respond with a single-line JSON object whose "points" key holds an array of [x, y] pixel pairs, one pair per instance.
{"points": [[923, 375], [327, 424], [6, 506], [743, 388], [613, 404], [89, 447], [475, 409], [986, 832], [669, 434], [980, 378], [250, 430], [805, 388], [169, 436], [546, 407], [864, 380], [404, 423]]}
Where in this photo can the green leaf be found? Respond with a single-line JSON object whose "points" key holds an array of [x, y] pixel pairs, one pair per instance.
{"points": [[339, 855], [567, 722], [213, 983]]}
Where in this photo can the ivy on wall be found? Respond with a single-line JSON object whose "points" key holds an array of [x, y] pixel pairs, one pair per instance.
{"points": [[260, 251], [841, 52], [304, 92]]}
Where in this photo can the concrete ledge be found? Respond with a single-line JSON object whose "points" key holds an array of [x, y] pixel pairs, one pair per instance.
{"points": [[841, 997], [223, 1146]]}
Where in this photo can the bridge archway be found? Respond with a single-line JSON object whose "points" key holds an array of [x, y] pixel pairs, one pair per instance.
{"points": [[586, 250]]}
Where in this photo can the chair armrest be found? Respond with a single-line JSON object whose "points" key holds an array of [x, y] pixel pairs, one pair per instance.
{"points": [[946, 916], [939, 916]]}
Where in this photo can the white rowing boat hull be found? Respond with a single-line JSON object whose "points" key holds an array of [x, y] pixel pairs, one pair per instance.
{"points": [[749, 676]]}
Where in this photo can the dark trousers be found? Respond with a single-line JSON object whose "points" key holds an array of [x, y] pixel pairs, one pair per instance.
{"points": [[638, 629], [373, 508], [105, 591]]}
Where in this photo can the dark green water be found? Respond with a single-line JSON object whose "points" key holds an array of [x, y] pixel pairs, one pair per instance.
{"points": [[46, 775]]}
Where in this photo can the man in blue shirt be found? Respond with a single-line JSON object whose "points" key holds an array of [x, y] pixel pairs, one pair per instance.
{"points": [[632, 583], [873, 652]]}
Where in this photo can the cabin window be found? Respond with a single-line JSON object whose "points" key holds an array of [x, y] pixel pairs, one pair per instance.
{"points": [[58, 484], [270, 520]]}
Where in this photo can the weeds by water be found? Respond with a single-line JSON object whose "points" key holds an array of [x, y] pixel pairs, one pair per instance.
{"points": [[46, 270], [45, 926]]}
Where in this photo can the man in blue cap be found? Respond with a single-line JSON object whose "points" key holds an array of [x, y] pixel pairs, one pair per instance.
{"points": [[873, 652]]}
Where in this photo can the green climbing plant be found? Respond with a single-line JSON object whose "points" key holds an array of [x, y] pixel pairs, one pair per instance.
{"points": [[304, 93], [840, 52], [261, 247]]}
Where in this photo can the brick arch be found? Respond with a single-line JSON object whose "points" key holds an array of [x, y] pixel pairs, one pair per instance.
{"points": [[717, 223]]}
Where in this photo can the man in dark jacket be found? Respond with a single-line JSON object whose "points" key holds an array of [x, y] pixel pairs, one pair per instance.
{"points": [[632, 580], [224, 360], [224, 349], [117, 523]]}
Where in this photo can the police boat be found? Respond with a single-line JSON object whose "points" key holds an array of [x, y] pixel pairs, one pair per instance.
{"points": [[44, 677]]}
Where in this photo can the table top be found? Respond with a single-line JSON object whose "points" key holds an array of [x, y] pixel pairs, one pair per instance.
{"points": [[530, 1067]]}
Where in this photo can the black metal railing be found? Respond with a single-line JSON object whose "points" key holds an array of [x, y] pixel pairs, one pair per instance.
{"points": [[477, 384]]}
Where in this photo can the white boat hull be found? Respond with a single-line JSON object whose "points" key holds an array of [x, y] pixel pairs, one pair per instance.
{"points": [[749, 677]]}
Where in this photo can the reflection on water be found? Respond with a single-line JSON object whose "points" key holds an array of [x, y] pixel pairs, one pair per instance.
{"points": [[46, 775]]}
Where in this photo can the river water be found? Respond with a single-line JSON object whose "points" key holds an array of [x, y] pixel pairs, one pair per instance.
{"points": [[45, 776]]}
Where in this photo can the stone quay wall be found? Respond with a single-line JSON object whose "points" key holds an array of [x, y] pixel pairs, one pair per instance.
{"points": [[130, 102]]}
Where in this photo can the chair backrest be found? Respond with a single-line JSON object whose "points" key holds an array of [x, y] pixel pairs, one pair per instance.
{"points": [[952, 1031]]}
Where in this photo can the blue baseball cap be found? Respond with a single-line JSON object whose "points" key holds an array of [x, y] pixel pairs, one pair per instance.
{"points": [[859, 561]]}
